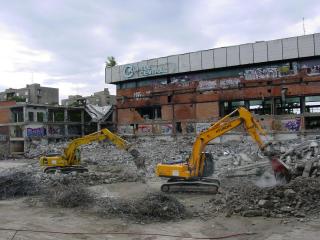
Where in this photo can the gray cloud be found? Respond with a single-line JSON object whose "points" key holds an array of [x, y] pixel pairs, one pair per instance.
{"points": [[80, 34]]}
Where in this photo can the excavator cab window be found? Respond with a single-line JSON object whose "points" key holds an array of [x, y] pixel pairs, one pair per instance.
{"points": [[78, 154]]}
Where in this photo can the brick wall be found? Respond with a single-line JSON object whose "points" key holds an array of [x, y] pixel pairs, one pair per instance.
{"points": [[5, 113]]}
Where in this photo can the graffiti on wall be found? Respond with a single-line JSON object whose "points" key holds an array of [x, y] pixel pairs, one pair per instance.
{"points": [[125, 129], [270, 72], [311, 67], [181, 82], [36, 132], [292, 125], [144, 128], [56, 130], [166, 129], [207, 85], [314, 70], [229, 83], [218, 84], [201, 127], [141, 95]]}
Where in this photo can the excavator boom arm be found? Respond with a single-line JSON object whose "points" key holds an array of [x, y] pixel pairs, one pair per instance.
{"points": [[221, 127], [70, 150]]}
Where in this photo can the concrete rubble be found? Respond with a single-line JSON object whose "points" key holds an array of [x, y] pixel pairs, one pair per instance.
{"points": [[256, 193], [232, 159], [299, 198], [151, 206], [302, 158]]}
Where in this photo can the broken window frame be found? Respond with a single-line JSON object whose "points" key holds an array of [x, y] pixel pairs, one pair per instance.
{"points": [[287, 105], [230, 106], [260, 107], [312, 104], [150, 112]]}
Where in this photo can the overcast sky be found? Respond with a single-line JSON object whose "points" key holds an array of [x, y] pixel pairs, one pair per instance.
{"points": [[64, 43]]}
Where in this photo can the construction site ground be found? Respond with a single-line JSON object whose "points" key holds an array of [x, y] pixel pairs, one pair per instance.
{"points": [[114, 176]]}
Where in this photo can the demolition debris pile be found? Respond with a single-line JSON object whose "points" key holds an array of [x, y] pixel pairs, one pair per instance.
{"points": [[299, 198], [109, 175], [303, 158], [35, 149], [66, 194], [152, 206], [154, 150], [17, 183]]}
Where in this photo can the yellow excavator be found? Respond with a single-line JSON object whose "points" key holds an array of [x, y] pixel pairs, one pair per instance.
{"points": [[70, 160], [193, 173]]}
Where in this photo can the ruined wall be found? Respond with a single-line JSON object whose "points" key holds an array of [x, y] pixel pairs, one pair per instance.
{"points": [[188, 103], [5, 117], [5, 113]]}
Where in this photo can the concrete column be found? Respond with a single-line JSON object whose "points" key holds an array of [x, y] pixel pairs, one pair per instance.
{"points": [[65, 123], [302, 104], [82, 122], [273, 106], [25, 115]]}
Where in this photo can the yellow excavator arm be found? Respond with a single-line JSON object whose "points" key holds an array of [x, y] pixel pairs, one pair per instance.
{"points": [[70, 150], [224, 125], [70, 160], [194, 166]]}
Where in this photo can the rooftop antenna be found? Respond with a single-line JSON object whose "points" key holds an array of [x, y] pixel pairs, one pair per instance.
{"points": [[32, 77], [304, 29]]}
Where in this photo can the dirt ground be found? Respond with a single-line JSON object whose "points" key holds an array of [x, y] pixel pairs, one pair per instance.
{"points": [[17, 214], [115, 176]]}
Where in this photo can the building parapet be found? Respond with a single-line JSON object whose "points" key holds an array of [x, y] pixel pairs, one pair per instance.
{"points": [[217, 58]]}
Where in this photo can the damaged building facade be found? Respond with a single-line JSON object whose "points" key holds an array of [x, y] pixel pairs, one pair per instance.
{"points": [[22, 124], [279, 80]]}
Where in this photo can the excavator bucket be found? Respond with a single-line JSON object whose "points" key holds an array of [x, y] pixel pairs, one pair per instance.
{"points": [[281, 170], [137, 158]]}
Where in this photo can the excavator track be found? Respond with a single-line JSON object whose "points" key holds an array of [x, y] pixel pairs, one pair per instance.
{"points": [[65, 170], [203, 185]]}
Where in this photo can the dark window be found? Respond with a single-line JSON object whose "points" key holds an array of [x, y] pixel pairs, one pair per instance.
{"points": [[18, 116], [170, 99], [178, 127], [40, 116], [312, 122], [150, 112], [288, 105], [74, 116], [31, 116]]}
